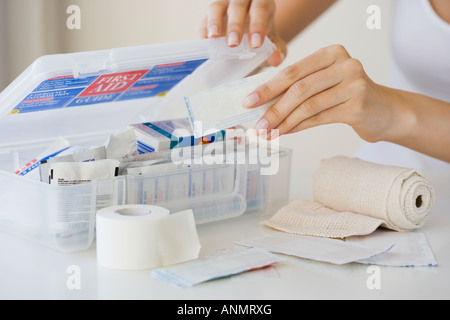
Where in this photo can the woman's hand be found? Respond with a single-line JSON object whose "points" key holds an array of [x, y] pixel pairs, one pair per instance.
{"points": [[326, 87], [233, 18]]}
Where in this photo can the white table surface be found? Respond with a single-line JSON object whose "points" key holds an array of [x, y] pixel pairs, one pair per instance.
{"points": [[31, 271]]}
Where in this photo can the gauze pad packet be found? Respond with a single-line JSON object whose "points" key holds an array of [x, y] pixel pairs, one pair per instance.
{"points": [[209, 268], [221, 107], [88, 155], [72, 173]]}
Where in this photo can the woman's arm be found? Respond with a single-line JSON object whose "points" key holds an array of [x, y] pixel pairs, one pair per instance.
{"points": [[424, 123], [330, 86], [293, 16]]}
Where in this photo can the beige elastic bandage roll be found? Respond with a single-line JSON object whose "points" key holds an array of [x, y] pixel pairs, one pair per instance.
{"points": [[355, 197]]}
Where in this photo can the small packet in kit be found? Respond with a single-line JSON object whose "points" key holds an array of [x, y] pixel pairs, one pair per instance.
{"points": [[89, 155], [72, 173], [122, 145]]}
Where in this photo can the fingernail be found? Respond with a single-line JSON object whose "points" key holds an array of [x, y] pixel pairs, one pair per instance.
{"points": [[256, 40], [251, 100], [233, 39], [213, 31], [262, 124]]}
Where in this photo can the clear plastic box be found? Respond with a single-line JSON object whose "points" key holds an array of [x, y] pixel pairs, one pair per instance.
{"points": [[63, 218]]}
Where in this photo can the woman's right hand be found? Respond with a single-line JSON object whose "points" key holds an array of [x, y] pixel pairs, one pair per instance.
{"points": [[233, 18]]}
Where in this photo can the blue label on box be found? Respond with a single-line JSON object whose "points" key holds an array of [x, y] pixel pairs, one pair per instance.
{"points": [[66, 91], [84, 101], [167, 128], [152, 87], [47, 100], [185, 67], [143, 148], [66, 82]]}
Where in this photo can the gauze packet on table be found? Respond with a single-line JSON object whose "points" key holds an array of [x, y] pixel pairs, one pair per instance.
{"points": [[316, 248], [221, 107], [204, 269]]}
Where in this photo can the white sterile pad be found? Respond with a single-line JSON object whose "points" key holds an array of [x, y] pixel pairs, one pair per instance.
{"points": [[221, 107], [411, 248], [315, 248], [122, 145], [215, 267]]}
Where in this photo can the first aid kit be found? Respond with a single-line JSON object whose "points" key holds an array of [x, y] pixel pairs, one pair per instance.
{"points": [[81, 99]]}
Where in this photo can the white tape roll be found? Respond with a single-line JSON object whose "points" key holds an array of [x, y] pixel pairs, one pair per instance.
{"points": [[139, 237]]}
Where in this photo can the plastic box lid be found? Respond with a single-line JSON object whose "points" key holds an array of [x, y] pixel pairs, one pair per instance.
{"points": [[99, 92]]}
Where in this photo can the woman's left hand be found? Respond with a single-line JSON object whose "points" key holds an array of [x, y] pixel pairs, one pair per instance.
{"points": [[326, 87]]}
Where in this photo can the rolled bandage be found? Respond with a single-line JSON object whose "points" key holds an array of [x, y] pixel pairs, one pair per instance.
{"points": [[355, 197]]}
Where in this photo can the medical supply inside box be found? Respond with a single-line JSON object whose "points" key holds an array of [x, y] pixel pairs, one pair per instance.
{"points": [[83, 99]]}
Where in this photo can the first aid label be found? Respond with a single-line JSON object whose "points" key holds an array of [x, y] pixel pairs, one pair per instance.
{"points": [[67, 91]]}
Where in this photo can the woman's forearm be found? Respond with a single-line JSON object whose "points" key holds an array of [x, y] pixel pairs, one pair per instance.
{"points": [[293, 16], [420, 123]]}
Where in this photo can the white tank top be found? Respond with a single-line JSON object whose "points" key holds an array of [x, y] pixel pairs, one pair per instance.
{"points": [[420, 44]]}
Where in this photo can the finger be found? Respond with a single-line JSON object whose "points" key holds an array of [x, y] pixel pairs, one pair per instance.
{"points": [[276, 58], [300, 92], [280, 54], [237, 13], [261, 14], [316, 104], [317, 61], [203, 28], [215, 17], [328, 116]]}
